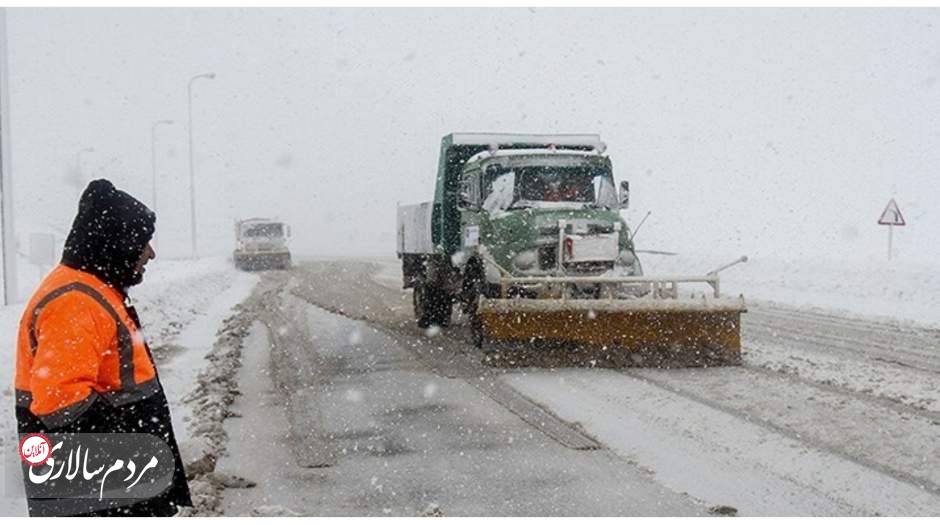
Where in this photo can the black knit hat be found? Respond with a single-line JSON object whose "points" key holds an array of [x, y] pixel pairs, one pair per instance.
{"points": [[109, 234]]}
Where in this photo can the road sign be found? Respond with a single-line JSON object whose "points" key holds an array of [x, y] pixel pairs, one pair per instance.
{"points": [[892, 215]]}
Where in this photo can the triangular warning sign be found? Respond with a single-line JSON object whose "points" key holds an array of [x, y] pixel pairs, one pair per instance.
{"points": [[892, 215]]}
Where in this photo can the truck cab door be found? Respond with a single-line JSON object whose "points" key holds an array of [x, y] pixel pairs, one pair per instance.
{"points": [[468, 203]]}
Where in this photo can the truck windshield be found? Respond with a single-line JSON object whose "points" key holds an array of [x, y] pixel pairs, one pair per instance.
{"points": [[263, 230], [539, 186]]}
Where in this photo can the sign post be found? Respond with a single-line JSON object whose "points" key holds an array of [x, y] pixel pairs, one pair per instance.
{"points": [[891, 217], [8, 249]]}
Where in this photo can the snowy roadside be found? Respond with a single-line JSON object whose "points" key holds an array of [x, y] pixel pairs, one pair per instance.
{"points": [[217, 388], [182, 304], [896, 291]]}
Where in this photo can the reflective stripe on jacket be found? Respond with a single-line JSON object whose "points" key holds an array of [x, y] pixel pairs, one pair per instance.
{"points": [[76, 342]]}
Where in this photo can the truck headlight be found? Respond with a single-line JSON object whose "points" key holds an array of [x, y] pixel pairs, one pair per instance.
{"points": [[627, 258], [525, 260]]}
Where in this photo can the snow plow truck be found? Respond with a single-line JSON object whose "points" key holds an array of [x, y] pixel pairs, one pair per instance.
{"points": [[261, 244], [525, 233]]}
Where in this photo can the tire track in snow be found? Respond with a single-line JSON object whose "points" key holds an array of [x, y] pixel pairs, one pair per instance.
{"points": [[853, 347], [768, 423]]}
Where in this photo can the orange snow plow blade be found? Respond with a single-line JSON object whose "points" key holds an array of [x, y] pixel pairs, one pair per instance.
{"points": [[632, 321], [615, 333]]}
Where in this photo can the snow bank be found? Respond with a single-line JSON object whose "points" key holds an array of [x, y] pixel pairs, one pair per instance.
{"points": [[216, 389], [907, 291]]}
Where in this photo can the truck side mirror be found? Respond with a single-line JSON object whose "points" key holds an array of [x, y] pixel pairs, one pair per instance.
{"points": [[463, 199], [624, 194], [288, 231]]}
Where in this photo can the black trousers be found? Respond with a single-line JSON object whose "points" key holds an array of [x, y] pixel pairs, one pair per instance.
{"points": [[150, 415]]}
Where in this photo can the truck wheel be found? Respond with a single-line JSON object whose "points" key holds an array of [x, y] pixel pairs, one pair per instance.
{"points": [[444, 310], [440, 306], [419, 301], [432, 306]]}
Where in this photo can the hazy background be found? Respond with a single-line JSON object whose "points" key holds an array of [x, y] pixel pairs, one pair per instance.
{"points": [[776, 133]]}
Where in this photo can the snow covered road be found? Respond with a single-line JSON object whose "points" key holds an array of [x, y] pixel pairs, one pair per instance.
{"points": [[829, 414], [360, 421]]}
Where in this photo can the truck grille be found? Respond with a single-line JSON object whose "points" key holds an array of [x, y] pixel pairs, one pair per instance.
{"points": [[593, 228], [548, 257], [593, 267]]}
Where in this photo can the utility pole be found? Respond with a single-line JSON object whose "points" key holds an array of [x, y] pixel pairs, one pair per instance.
{"points": [[192, 168], [6, 179]]}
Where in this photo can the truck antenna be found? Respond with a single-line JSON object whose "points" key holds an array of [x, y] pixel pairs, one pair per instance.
{"points": [[638, 226]]}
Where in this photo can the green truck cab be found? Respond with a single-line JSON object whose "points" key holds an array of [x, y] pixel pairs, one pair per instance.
{"points": [[517, 205]]}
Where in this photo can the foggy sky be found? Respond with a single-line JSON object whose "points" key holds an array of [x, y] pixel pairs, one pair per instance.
{"points": [[768, 132]]}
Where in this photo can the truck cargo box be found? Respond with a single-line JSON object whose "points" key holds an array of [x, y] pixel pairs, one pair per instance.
{"points": [[414, 229]]}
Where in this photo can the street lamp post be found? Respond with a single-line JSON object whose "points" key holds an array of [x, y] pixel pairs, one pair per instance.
{"points": [[192, 177], [153, 163], [7, 237]]}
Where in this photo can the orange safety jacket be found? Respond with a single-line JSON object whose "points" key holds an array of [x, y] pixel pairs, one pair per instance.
{"points": [[77, 342]]}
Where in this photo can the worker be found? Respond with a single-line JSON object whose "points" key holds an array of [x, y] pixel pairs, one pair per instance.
{"points": [[82, 364]]}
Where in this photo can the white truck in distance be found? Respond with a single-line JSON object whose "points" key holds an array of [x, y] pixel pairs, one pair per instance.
{"points": [[261, 244]]}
